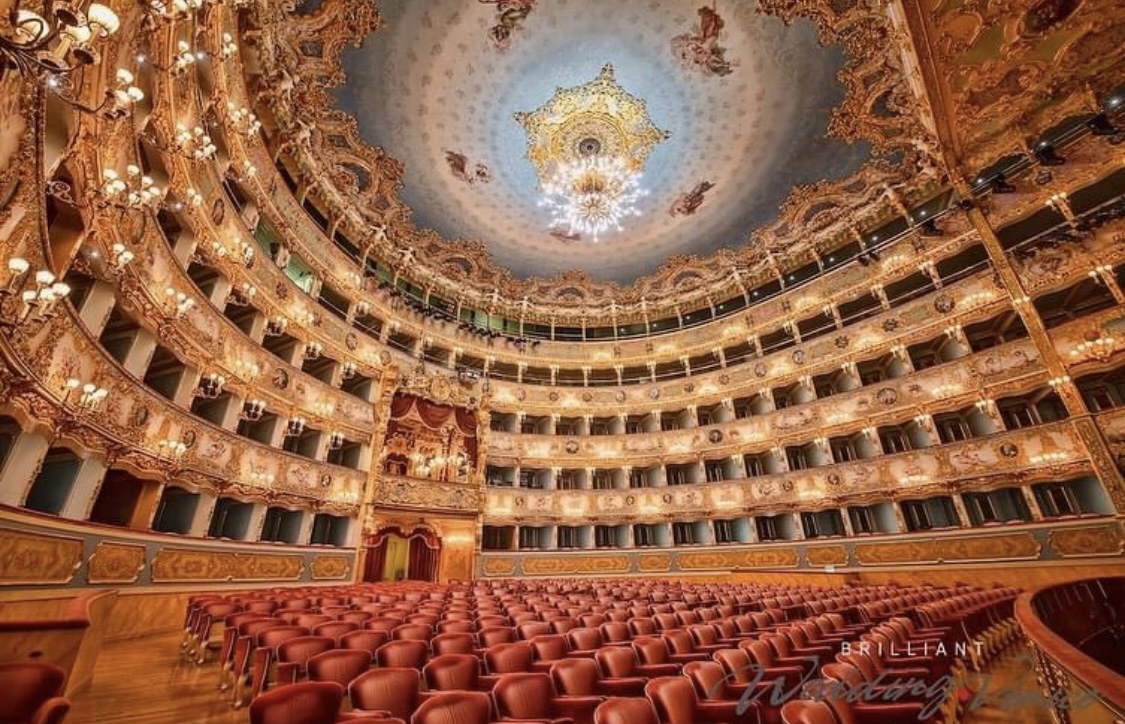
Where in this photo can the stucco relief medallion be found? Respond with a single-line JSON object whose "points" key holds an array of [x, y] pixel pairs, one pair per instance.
{"points": [[189, 438], [1046, 15], [945, 304], [619, 395], [351, 341], [385, 357], [842, 342], [521, 502], [715, 436], [724, 379], [571, 447], [787, 486], [689, 387], [760, 369], [587, 396], [666, 498], [799, 356], [833, 480], [326, 480], [887, 396], [521, 394], [281, 291], [1009, 450], [218, 212], [654, 393], [890, 325], [630, 500], [140, 416], [553, 396], [280, 379]]}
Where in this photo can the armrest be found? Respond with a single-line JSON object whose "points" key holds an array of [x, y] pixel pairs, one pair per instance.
{"points": [[287, 672], [52, 710], [625, 686], [581, 654], [487, 681], [685, 658], [579, 708], [363, 714], [653, 670], [727, 712], [893, 713]]}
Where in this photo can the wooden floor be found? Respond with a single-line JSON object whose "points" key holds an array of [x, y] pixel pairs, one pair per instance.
{"points": [[146, 682]]}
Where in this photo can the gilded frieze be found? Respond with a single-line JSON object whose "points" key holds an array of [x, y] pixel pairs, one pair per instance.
{"points": [[393, 491], [737, 559], [493, 567], [1104, 540], [654, 562], [37, 558], [118, 563], [1014, 546], [896, 552], [836, 555], [575, 564], [185, 565], [330, 568]]}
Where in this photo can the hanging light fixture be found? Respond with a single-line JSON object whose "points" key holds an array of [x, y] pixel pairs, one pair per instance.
{"points": [[593, 195], [38, 44]]}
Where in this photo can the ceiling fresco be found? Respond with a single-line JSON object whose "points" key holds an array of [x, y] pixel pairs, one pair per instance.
{"points": [[746, 100]]}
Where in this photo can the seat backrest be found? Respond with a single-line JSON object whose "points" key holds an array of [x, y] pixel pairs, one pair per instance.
{"points": [[651, 650], [449, 672], [309, 620], [666, 621], [615, 632], [584, 639], [339, 665], [708, 678], [412, 632], [508, 658], [453, 643], [674, 699], [679, 641], [704, 634], [303, 648], [26, 686], [549, 647], [643, 626], [524, 696], [411, 654], [455, 625], [576, 677], [489, 637], [617, 661], [368, 641], [737, 664], [759, 651], [620, 710], [454, 707], [807, 712], [307, 702], [392, 689], [526, 631], [273, 637], [335, 629]]}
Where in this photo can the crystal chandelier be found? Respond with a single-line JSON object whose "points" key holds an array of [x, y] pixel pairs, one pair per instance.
{"points": [[589, 145], [592, 195]]}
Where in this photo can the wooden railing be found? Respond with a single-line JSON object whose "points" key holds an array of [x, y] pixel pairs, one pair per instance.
{"points": [[1077, 634]]}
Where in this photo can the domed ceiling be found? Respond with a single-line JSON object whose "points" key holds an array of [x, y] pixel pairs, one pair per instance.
{"points": [[745, 98]]}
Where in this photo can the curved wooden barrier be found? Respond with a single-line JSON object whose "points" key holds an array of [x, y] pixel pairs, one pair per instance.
{"points": [[71, 642], [1073, 631]]}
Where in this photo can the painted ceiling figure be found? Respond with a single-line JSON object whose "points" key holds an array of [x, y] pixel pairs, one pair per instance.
{"points": [[510, 17]]}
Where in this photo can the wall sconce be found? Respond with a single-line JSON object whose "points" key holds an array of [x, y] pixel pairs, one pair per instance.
{"points": [[362, 309], [1050, 459], [922, 421], [349, 370], [119, 258], [986, 405], [38, 293], [228, 47], [1057, 382], [324, 409], [262, 479], [276, 327], [120, 96], [242, 296], [243, 120], [295, 426], [171, 449], [1101, 272], [58, 43], [336, 440], [177, 304], [194, 144], [90, 396], [313, 350], [252, 410], [210, 386], [135, 191], [247, 370], [1095, 346]]}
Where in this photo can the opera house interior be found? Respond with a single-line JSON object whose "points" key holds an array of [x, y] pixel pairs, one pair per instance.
{"points": [[568, 361]]}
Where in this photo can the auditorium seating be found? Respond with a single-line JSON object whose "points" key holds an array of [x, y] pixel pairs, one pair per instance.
{"points": [[675, 652], [31, 693]]}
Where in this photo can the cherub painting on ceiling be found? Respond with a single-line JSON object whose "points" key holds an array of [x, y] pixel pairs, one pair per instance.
{"points": [[461, 167], [687, 203], [510, 15], [700, 49]]}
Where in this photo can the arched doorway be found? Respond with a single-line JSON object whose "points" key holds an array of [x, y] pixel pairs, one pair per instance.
{"points": [[395, 555]]}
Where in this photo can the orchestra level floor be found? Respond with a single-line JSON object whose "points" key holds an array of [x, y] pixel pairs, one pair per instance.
{"points": [[145, 681]]}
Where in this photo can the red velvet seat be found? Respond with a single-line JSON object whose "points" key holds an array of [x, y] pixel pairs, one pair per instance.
{"points": [[489, 637], [308, 702], [32, 693], [530, 697], [625, 711], [508, 658], [393, 691], [583, 641], [335, 629], [293, 656], [675, 702], [364, 640], [683, 647], [620, 662], [407, 654], [339, 665], [582, 677], [548, 649], [452, 672], [412, 632], [454, 707], [453, 643]]}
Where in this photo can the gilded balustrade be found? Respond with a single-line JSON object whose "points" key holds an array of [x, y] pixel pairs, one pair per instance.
{"points": [[1044, 453]]}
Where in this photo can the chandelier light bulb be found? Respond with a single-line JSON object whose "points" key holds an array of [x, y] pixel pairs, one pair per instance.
{"points": [[593, 195]]}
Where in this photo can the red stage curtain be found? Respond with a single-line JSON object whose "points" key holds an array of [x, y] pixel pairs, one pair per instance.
{"points": [[434, 415], [424, 555]]}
